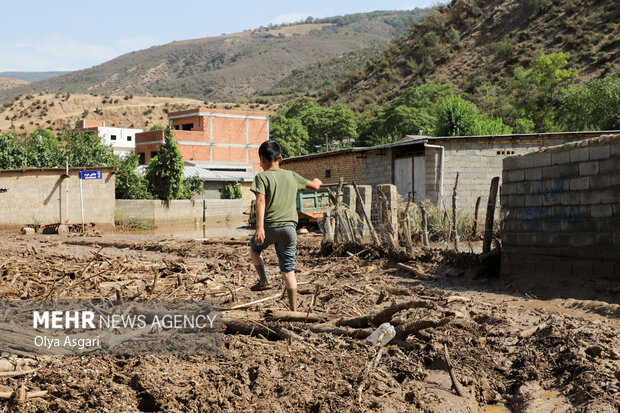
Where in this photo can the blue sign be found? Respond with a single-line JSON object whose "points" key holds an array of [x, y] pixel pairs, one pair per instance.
{"points": [[90, 175]]}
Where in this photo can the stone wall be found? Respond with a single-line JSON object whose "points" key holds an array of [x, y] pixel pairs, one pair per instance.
{"points": [[561, 211], [48, 196], [177, 212]]}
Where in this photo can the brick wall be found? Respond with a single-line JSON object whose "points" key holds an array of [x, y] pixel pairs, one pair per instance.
{"points": [[40, 195], [217, 136], [346, 164], [562, 212]]}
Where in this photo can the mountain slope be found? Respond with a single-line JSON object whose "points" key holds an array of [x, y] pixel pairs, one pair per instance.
{"points": [[31, 76], [54, 111], [236, 65], [470, 42], [7, 83]]}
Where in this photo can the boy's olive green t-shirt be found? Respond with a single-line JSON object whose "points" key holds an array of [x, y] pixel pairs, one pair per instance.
{"points": [[280, 188]]}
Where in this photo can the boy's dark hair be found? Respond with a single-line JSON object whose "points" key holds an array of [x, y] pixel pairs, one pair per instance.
{"points": [[270, 150]]}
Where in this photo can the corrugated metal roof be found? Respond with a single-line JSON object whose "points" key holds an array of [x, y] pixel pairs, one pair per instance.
{"points": [[204, 174], [242, 166], [241, 175]]}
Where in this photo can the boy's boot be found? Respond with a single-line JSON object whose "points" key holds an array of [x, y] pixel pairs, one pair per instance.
{"points": [[292, 298], [263, 283]]}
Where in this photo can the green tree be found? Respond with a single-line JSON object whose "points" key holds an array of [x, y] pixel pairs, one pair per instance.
{"points": [[164, 173], [12, 154], [592, 106], [458, 117], [536, 93], [84, 149], [129, 184], [43, 149], [290, 133], [415, 111]]}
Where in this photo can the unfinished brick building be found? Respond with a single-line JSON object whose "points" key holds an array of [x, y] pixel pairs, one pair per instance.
{"points": [[212, 138]]}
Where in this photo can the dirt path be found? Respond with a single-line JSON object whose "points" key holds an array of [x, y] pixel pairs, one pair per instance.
{"points": [[507, 349]]}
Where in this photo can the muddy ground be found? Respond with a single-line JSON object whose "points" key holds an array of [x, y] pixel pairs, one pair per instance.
{"points": [[510, 352]]}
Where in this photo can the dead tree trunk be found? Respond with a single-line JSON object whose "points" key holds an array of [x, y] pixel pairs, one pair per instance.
{"points": [[454, 226], [407, 226], [488, 225], [384, 315], [474, 228], [373, 234], [337, 226], [424, 226], [387, 222]]}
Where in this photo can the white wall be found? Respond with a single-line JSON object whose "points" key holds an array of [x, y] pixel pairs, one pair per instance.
{"points": [[125, 138]]}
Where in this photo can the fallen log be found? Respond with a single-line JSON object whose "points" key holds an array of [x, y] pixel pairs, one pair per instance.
{"points": [[254, 328], [384, 315], [455, 382], [236, 307], [413, 271], [359, 333], [16, 373], [412, 327], [29, 395], [302, 316]]}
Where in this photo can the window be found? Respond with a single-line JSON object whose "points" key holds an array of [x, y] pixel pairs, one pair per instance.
{"points": [[141, 158], [188, 126], [176, 127], [112, 137], [153, 154], [129, 137], [328, 172]]}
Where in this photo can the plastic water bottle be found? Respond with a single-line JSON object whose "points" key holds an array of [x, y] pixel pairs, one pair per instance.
{"points": [[382, 335]]}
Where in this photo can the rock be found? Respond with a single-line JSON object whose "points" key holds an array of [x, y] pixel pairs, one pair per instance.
{"points": [[63, 229], [302, 231], [27, 231]]}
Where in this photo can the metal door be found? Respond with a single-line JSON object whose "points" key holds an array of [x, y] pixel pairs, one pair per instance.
{"points": [[419, 179], [403, 176]]}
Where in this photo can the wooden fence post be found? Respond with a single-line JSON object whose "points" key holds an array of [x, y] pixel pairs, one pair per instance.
{"points": [[488, 225]]}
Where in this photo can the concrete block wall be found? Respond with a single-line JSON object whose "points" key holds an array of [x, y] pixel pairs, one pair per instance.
{"points": [[479, 159], [45, 196], [341, 164], [378, 168], [162, 213], [562, 212]]}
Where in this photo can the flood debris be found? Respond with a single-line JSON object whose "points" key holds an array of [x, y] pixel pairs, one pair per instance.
{"points": [[504, 348]]}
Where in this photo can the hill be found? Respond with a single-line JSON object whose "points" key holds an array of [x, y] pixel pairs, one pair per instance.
{"points": [[31, 76], [240, 65], [470, 42], [54, 111], [7, 83]]}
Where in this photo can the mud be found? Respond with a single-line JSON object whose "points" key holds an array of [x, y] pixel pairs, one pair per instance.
{"points": [[509, 351]]}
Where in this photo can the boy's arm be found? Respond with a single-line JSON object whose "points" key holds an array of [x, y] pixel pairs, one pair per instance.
{"points": [[314, 184], [260, 219]]}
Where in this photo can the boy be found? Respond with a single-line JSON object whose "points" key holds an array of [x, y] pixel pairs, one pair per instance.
{"points": [[276, 217]]}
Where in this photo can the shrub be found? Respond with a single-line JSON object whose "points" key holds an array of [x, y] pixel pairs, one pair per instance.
{"points": [[504, 50], [453, 36]]}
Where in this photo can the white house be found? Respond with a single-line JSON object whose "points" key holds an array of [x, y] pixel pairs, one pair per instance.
{"points": [[122, 140]]}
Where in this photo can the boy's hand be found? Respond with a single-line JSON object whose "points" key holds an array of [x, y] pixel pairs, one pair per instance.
{"points": [[259, 237], [314, 184]]}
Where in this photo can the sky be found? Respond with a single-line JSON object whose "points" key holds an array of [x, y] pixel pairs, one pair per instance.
{"points": [[54, 35]]}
